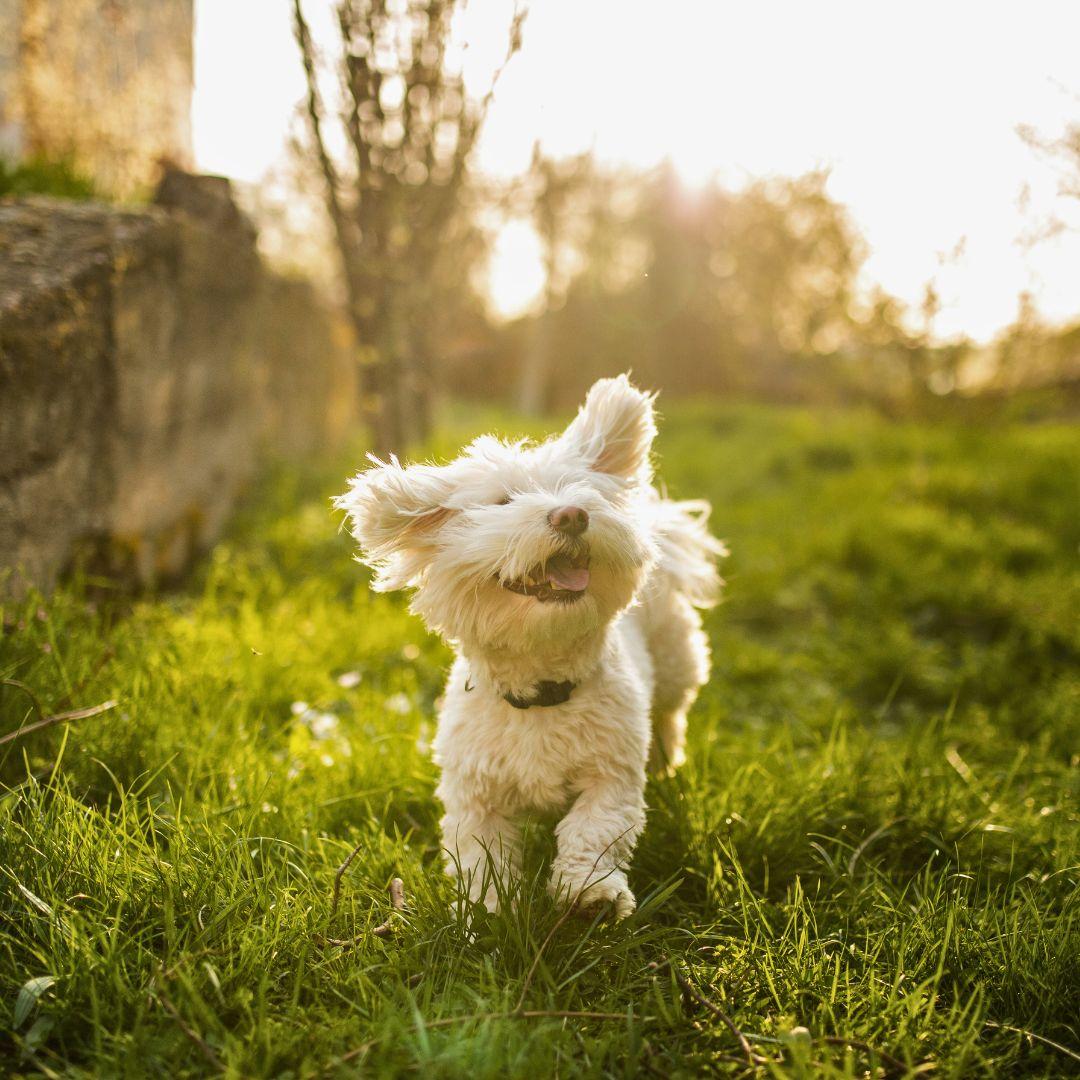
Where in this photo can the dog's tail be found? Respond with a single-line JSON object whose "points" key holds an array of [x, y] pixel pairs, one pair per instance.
{"points": [[688, 551]]}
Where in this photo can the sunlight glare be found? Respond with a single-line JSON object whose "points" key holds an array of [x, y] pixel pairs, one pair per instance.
{"points": [[913, 107], [515, 272]]}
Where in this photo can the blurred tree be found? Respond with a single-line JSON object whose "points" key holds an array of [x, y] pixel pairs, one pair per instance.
{"points": [[556, 190], [1064, 149], [705, 291], [754, 292], [410, 126], [1031, 352]]}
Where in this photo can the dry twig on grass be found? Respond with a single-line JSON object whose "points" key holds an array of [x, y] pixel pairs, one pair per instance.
{"points": [[397, 904], [341, 870], [384, 929], [56, 718], [692, 992], [893, 1066], [1033, 1035], [204, 1047]]}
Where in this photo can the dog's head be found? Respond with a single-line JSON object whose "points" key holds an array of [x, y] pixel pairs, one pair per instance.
{"points": [[515, 545]]}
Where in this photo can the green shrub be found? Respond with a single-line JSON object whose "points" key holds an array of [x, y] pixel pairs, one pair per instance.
{"points": [[41, 176]]}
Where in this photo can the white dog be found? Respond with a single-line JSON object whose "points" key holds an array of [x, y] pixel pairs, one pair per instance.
{"points": [[567, 587]]}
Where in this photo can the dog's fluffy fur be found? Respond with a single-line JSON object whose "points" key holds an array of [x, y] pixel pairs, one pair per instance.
{"points": [[631, 640]]}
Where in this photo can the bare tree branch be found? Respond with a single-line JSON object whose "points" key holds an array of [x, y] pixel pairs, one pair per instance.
{"points": [[411, 127]]}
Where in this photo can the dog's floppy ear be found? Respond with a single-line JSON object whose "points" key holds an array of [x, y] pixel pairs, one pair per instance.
{"points": [[614, 429], [395, 513]]}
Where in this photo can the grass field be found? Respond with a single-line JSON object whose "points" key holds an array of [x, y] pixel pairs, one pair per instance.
{"points": [[876, 838]]}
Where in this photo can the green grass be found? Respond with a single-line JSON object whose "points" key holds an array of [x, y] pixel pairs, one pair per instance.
{"points": [[876, 837], [41, 176]]}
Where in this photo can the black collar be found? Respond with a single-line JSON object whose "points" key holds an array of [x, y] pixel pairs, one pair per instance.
{"points": [[544, 693]]}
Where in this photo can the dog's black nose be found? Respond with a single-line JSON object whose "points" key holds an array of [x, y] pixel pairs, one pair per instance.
{"points": [[571, 520]]}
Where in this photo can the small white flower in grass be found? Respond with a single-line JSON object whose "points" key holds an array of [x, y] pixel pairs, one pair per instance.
{"points": [[347, 680], [799, 1042], [423, 738], [298, 708], [399, 703], [322, 725]]}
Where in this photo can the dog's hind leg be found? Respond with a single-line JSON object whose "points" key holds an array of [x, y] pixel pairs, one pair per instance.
{"points": [[680, 652]]}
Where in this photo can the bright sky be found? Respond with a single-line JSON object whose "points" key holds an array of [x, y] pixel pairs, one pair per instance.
{"points": [[913, 105]]}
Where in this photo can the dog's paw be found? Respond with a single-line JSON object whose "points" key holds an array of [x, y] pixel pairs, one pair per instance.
{"points": [[594, 892]]}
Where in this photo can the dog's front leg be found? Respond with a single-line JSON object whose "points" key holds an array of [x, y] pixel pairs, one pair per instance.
{"points": [[482, 846], [595, 839]]}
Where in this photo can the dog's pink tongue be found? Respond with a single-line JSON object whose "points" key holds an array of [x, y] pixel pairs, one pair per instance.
{"points": [[564, 576]]}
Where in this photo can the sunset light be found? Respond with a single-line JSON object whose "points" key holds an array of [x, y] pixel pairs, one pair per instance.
{"points": [[918, 125]]}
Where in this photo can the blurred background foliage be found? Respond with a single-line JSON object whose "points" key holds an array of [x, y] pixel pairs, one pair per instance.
{"points": [[759, 291], [756, 293]]}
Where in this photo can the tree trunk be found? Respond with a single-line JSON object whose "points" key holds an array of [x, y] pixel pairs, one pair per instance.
{"points": [[536, 368], [378, 389], [419, 386], [422, 398], [376, 393], [381, 406]]}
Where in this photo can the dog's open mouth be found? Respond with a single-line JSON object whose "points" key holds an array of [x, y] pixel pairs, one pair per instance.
{"points": [[563, 577]]}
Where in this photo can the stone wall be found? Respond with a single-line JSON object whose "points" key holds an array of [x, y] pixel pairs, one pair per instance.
{"points": [[106, 83], [148, 360]]}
